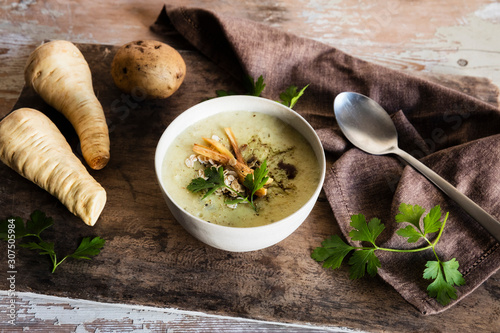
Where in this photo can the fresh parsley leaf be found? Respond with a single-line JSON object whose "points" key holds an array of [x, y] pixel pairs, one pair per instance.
{"points": [[253, 182], [214, 181], [433, 269], [432, 221], [410, 214], [88, 247], [248, 182], [365, 232], [38, 223], [411, 233], [439, 289], [41, 246], [361, 261], [258, 179], [290, 96], [35, 226], [446, 276], [332, 252], [254, 88], [451, 273], [199, 184]]}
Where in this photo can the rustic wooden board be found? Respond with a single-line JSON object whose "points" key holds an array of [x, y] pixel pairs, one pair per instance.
{"points": [[150, 260]]}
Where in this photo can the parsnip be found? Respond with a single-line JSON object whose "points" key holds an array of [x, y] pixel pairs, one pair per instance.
{"points": [[58, 72], [34, 147]]}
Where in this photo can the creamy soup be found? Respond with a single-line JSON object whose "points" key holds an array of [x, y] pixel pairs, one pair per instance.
{"points": [[290, 159]]}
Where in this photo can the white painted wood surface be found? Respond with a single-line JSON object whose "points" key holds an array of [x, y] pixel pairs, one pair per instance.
{"points": [[56, 314], [427, 37]]}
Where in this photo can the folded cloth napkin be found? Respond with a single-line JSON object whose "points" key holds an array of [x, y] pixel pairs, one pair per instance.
{"points": [[454, 134]]}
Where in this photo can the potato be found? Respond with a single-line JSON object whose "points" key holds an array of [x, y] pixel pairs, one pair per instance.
{"points": [[148, 67]]}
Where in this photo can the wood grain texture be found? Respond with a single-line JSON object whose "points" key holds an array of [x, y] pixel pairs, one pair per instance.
{"points": [[149, 259]]}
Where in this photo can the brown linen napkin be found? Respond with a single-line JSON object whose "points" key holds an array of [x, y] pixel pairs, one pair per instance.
{"points": [[452, 133]]}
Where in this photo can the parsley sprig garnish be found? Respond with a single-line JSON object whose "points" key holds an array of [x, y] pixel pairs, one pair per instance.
{"points": [[253, 182], [290, 96], [214, 179], [254, 88], [35, 226], [445, 274]]}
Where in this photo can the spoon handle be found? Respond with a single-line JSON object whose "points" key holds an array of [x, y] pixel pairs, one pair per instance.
{"points": [[479, 214]]}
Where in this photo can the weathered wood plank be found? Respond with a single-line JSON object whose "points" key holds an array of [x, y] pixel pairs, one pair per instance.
{"points": [[40, 313]]}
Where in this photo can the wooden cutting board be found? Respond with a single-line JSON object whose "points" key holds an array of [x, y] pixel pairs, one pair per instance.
{"points": [[150, 260]]}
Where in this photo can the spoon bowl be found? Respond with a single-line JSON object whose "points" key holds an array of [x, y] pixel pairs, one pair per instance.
{"points": [[365, 123], [370, 128]]}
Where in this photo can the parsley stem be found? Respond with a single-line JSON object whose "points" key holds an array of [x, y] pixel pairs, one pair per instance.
{"points": [[241, 196], [442, 228], [56, 264], [431, 244], [53, 257], [438, 237], [393, 250], [233, 190], [407, 251]]}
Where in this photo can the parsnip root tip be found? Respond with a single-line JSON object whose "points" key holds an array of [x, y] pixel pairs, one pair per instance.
{"points": [[99, 162], [96, 207]]}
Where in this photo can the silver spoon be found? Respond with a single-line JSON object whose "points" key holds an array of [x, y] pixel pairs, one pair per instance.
{"points": [[368, 126]]}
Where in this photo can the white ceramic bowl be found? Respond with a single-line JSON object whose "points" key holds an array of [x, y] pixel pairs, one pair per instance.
{"points": [[232, 238]]}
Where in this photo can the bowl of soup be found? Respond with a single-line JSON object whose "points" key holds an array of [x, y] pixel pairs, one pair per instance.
{"points": [[240, 173]]}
